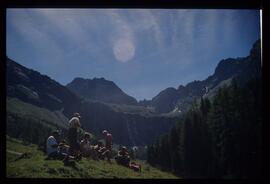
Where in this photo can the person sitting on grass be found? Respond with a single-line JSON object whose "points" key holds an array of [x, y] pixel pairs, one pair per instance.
{"points": [[100, 151], [95, 148], [123, 157], [85, 145], [52, 146], [63, 147]]}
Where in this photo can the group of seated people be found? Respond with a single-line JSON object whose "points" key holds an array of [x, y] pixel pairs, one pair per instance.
{"points": [[76, 148], [98, 151], [62, 150]]}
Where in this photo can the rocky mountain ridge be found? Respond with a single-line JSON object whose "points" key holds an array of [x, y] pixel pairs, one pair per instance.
{"points": [[240, 69]]}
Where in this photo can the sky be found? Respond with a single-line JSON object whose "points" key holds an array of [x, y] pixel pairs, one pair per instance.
{"points": [[143, 51]]}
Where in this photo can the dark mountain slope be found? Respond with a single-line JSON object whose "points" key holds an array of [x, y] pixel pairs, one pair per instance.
{"points": [[32, 87]]}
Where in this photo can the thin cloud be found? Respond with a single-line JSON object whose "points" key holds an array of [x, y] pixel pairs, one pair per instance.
{"points": [[153, 22], [25, 26], [70, 24]]}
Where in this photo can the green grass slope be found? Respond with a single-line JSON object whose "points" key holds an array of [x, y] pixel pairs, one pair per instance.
{"points": [[20, 108], [35, 166]]}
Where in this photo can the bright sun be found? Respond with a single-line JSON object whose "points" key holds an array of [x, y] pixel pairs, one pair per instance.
{"points": [[123, 50]]}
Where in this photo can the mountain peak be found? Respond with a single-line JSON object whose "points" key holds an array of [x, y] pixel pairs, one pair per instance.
{"points": [[94, 79], [100, 79], [100, 89], [180, 87]]}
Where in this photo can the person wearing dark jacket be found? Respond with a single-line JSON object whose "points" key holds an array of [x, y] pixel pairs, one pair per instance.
{"points": [[123, 157]]}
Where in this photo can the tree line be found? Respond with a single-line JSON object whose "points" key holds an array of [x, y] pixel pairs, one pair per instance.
{"points": [[221, 138]]}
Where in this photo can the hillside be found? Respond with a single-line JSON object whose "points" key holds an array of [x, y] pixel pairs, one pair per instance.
{"points": [[16, 106], [37, 167], [32, 87]]}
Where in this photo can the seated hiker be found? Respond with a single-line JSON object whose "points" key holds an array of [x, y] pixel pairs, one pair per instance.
{"points": [[63, 147], [96, 150], [74, 124], [52, 146], [123, 157], [100, 151], [85, 145]]}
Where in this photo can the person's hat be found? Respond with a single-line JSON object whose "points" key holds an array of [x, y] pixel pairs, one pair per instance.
{"points": [[77, 115], [124, 148], [104, 132]]}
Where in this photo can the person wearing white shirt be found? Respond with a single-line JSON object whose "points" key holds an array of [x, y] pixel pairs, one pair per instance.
{"points": [[52, 146]]}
